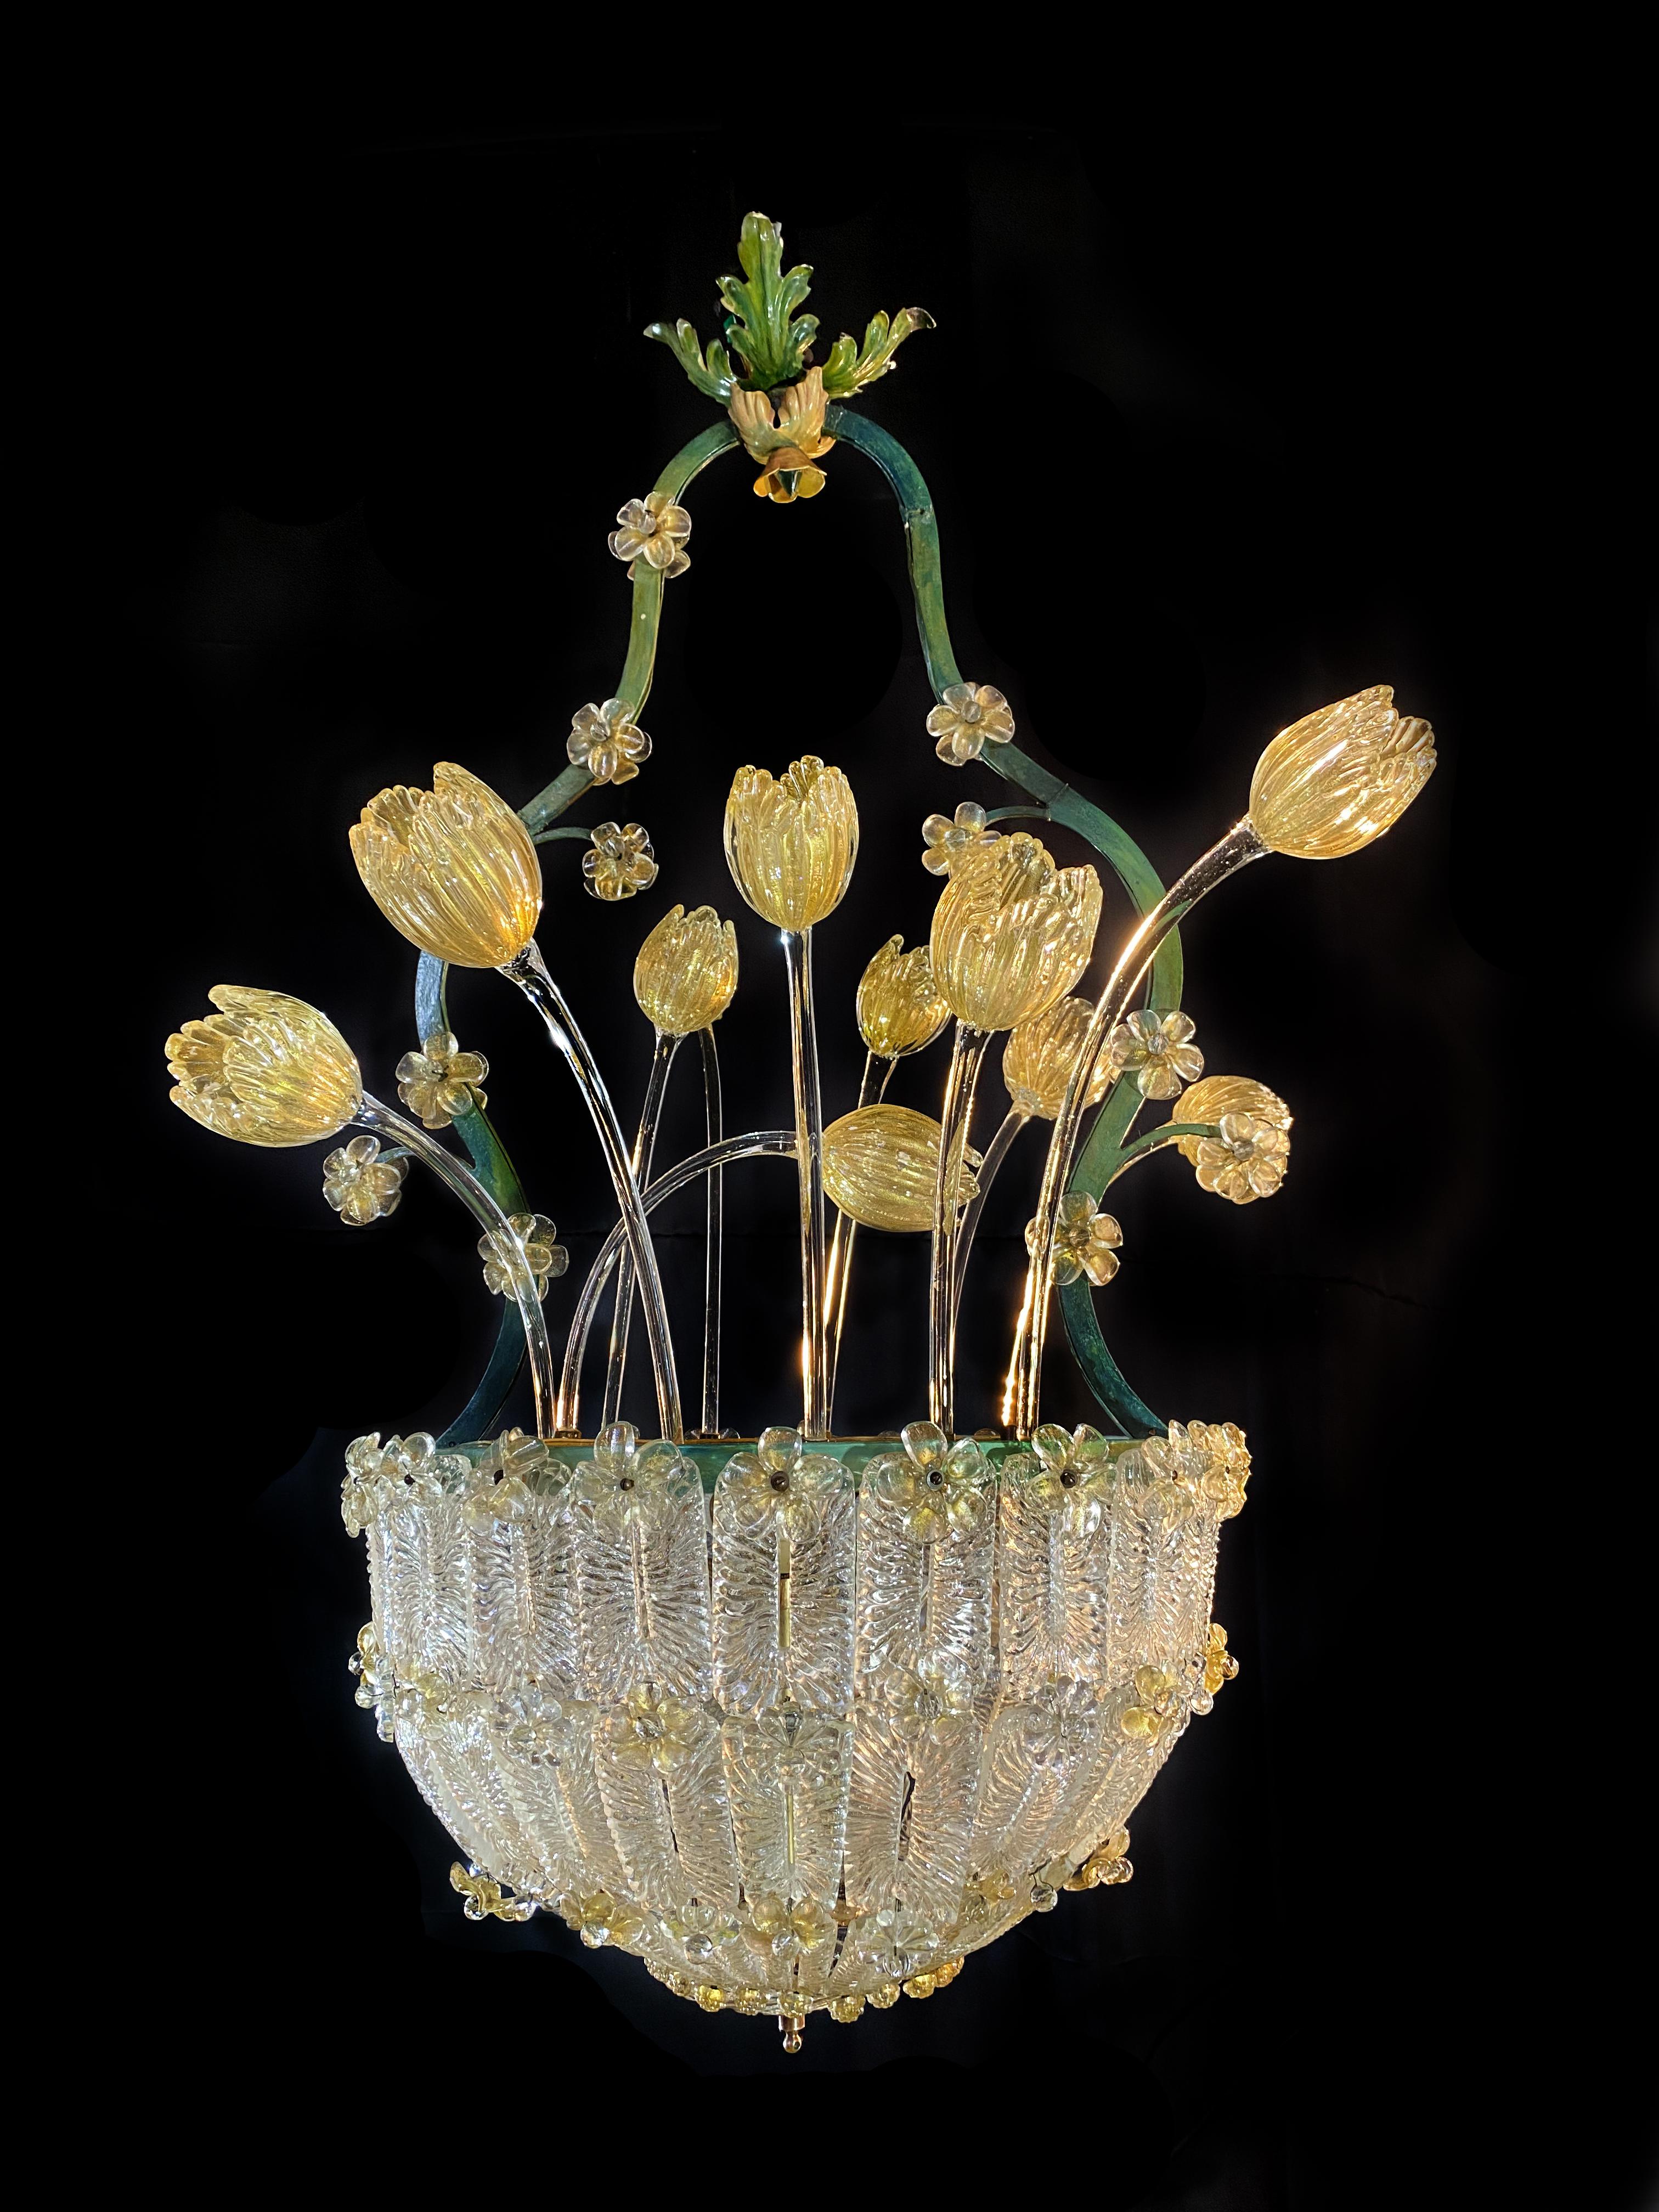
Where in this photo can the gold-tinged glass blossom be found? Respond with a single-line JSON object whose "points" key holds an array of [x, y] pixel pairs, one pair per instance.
{"points": [[1157, 1050], [1223, 1479], [605, 740], [1039, 1057], [628, 1485], [943, 1489], [969, 717], [440, 1081], [788, 445], [660, 1733], [687, 970], [360, 1185], [1086, 1243], [899, 1010], [779, 1484], [791, 843], [932, 1702], [1340, 777], [545, 1256], [652, 530], [946, 839], [453, 868], [1072, 1475], [485, 1900], [265, 1069], [620, 863], [1246, 1161], [881, 1167], [1106, 1865], [1012, 932], [787, 1928], [1219, 1664], [1216, 1095]]}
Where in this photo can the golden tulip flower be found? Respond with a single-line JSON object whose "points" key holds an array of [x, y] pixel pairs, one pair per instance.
{"points": [[791, 845], [1012, 932], [687, 970], [266, 1069], [899, 1010], [1039, 1056], [1217, 1095], [453, 868], [1337, 779], [881, 1167]]}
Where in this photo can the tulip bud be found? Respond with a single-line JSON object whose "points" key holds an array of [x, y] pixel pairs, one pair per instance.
{"points": [[881, 1167], [899, 1010], [1216, 1095], [1012, 932], [266, 1069], [791, 844], [1336, 780], [453, 868], [1039, 1056], [687, 970]]}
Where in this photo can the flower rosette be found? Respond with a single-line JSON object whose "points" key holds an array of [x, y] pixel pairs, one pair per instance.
{"points": [[968, 718], [652, 530], [406, 1469], [627, 1486], [1086, 1242], [941, 1490], [780, 1485], [932, 1703], [651, 1731], [441, 1082], [606, 741], [360, 1186], [1157, 1050], [1071, 1477], [1245, 1161]]}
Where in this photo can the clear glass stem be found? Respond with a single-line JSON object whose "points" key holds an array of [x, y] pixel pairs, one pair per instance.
{"points": [[995, 1152], [809, 1148], [662, 1058], [844, 1235], [450, 1171], [968, 1048], [1235, 850], [714, 1239], [529, 972], [759, 1144]]}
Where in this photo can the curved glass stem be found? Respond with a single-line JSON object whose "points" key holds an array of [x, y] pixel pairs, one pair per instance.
{"points": [[968, 1048], [1170, 1132], [844, 1236], [1225, 858], [714, 1239], [995, 1152], [529, 972], [809, 1148], [662, 1058], [760, 1144], [372, 1114]]}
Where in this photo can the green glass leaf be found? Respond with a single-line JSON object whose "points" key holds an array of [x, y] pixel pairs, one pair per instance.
{"points": [[761, 327], [715, 377], [849, 368]]}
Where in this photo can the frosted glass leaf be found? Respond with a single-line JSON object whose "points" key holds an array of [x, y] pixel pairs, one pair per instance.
{"points": [[1052, 1617], [940, 1825], [875, 1808], [702, 1820], [641, 1594], [789, 1799], [773, 1644]]}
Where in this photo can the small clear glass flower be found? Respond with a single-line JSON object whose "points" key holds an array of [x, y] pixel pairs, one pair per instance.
{"points": [[1158, 1051], [440, 1081], [360, 1185], [622, 862], [1072, 1475], [606, 741], [547, 1257], [968, 718], [652, 530], [1246, 1161], [943, 1489], [946, 839], [778, 1484], [628, 1485], [1086, 1243]]}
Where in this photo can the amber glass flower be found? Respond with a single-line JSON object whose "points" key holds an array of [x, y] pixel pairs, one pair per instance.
{"points": [[652, 530], [453, 868], [944, 838], [791, 844], [1246, 1161], [899, 1009], [440, 1081], [360, 1185], [1012, 932], [1158, 1051], [266, 1068], [1217, 1095], [1086, 1243], [687, 970], [1039, 1056], [621, 861], [969, 717], [1338, 777], [607, 742], [881, 1166]]}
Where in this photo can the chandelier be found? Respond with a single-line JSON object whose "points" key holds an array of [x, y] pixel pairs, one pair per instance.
{"points": [[800, 1720]]}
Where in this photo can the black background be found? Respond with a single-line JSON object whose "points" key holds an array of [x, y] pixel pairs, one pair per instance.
{"points": [[1214, 437]]}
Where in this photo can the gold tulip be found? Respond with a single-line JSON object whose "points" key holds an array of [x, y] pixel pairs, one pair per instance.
{"points": [[687, 971], [453, 868], [881, 1167], [1039, 1056], [791, 844], [1338, 777], [1012, 932], [899, 1009], [266, 1069], [1217, 1095]]}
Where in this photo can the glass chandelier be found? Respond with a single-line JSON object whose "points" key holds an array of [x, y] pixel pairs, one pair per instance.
{"points": [[800, 1720]]}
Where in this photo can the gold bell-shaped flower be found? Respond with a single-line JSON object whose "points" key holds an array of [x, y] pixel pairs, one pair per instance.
{"points": [[453, 868], [1039, 1057], [881, 1167], [1012, 932], [899, 1007], [687, 970], [1338, 777], [265, 1069], [791, 843]]}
